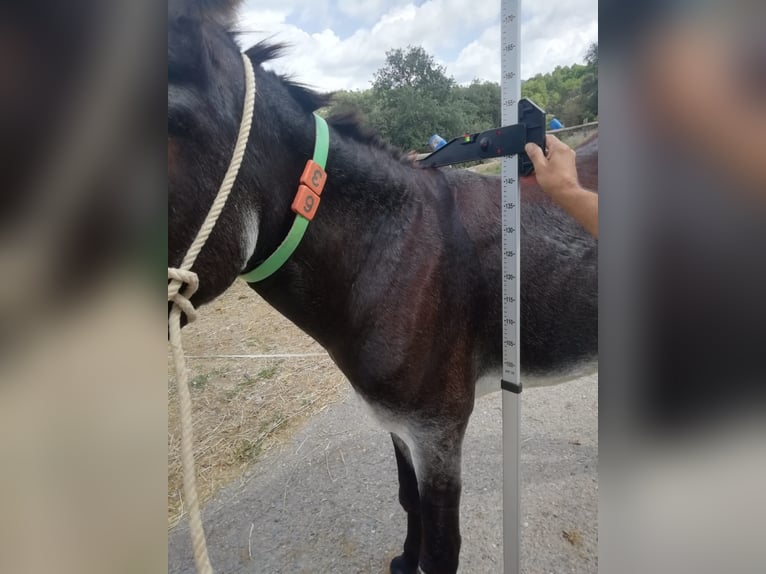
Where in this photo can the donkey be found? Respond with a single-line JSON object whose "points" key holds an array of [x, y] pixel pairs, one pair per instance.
{"points": [[398, 275]]}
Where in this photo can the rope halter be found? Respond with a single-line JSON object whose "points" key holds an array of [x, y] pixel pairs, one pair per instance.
{"points": [[182, 284]]}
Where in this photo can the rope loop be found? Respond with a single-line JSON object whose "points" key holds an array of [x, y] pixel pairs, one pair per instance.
{"points": [[178, 278]]}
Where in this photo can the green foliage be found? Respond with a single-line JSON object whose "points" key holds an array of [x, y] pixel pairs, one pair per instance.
{"points": [[412, 98], [590, 81], [480, 104], [569, 93], [413, 69]]}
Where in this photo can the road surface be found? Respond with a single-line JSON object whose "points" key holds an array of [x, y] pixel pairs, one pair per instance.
{"points": [[326, 501]]}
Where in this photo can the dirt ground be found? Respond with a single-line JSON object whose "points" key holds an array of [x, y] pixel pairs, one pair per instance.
{"points": [[243, 407]]}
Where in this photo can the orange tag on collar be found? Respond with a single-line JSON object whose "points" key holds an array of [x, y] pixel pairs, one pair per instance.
{"points": [[313, 177], [306, 202]]}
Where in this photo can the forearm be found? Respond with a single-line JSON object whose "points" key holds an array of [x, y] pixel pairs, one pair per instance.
{"points": [[581, 204], [557, 175]]}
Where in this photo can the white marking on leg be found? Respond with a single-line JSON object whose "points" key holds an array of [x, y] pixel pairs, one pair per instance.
{"points": [[394, 423], [421, 437], [488, 382]]}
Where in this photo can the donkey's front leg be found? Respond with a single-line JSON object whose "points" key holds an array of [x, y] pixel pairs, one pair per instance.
{"points": [[407, 562], [438, 471]]}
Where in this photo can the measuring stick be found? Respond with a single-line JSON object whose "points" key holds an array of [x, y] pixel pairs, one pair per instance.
{"points": [[511, 230]]}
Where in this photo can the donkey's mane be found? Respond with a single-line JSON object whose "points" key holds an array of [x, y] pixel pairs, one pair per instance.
{"points": [[308, 99], [265, 51], [349, 121]]}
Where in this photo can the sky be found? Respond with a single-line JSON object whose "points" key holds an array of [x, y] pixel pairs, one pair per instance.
{"points": [[339, 44]]}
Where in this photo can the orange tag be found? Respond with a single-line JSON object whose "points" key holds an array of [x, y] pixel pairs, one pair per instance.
{"points": [[306, 202], [314, 177]]}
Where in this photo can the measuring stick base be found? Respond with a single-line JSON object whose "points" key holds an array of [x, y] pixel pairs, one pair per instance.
{"points": [[509, 386]]}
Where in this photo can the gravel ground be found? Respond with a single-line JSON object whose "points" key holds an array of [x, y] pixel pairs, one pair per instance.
{"points": [[326, 500]]}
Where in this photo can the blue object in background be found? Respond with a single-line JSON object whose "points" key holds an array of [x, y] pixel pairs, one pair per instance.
{"points": [[436, 141], [555, 124]]}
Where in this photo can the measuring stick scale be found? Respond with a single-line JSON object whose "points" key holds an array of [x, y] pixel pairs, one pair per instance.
{"points": [[511, 230]]}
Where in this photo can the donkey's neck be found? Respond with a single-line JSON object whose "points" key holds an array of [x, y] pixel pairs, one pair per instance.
{"points": [[371, 198]]}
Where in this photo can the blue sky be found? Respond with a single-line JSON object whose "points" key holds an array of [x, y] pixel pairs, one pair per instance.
{"points": [[339, 44]]}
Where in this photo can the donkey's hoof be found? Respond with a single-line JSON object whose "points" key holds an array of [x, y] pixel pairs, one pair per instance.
{"points": [[400, 565]]}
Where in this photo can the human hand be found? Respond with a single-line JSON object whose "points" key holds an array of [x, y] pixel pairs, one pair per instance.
{"points": [[556, 172]]}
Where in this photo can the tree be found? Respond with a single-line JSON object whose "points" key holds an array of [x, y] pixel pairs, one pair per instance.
{"points": [[415, 97], [480, 105], [412, 98], [569, 92], [416, 69], [591, 56], [590, 82]]}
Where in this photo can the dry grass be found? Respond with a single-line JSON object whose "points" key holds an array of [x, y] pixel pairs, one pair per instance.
{"points": [[243, 407], [489, 167], [572, 536], [577, 137]]}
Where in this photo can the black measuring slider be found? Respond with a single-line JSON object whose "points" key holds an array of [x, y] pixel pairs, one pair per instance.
{"points": [[484, 145], [498, 142], [509, 386]]}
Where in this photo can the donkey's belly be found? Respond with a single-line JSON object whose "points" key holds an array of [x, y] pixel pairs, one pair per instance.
{"points": [[577, 371], [489, 380]]}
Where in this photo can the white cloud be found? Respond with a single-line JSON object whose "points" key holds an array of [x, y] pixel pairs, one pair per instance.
{"points": [[464, 35], [480, 59], [557, 34], [366, 11], [262, 20]]}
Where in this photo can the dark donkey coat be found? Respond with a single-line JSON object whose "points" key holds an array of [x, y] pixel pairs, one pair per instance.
{"points": [[398, 276]]}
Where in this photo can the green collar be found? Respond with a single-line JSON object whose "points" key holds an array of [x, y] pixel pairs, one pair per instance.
{"points": [[304, 205]]}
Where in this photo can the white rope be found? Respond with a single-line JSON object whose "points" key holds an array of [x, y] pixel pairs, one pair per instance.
{"points": [[186, 278]]}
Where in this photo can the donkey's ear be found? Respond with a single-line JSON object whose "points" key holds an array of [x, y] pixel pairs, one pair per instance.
{"points": [[223, 12]]}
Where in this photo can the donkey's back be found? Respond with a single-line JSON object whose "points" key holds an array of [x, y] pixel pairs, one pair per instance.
{"points": [[559, 278], [428, 306]]}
